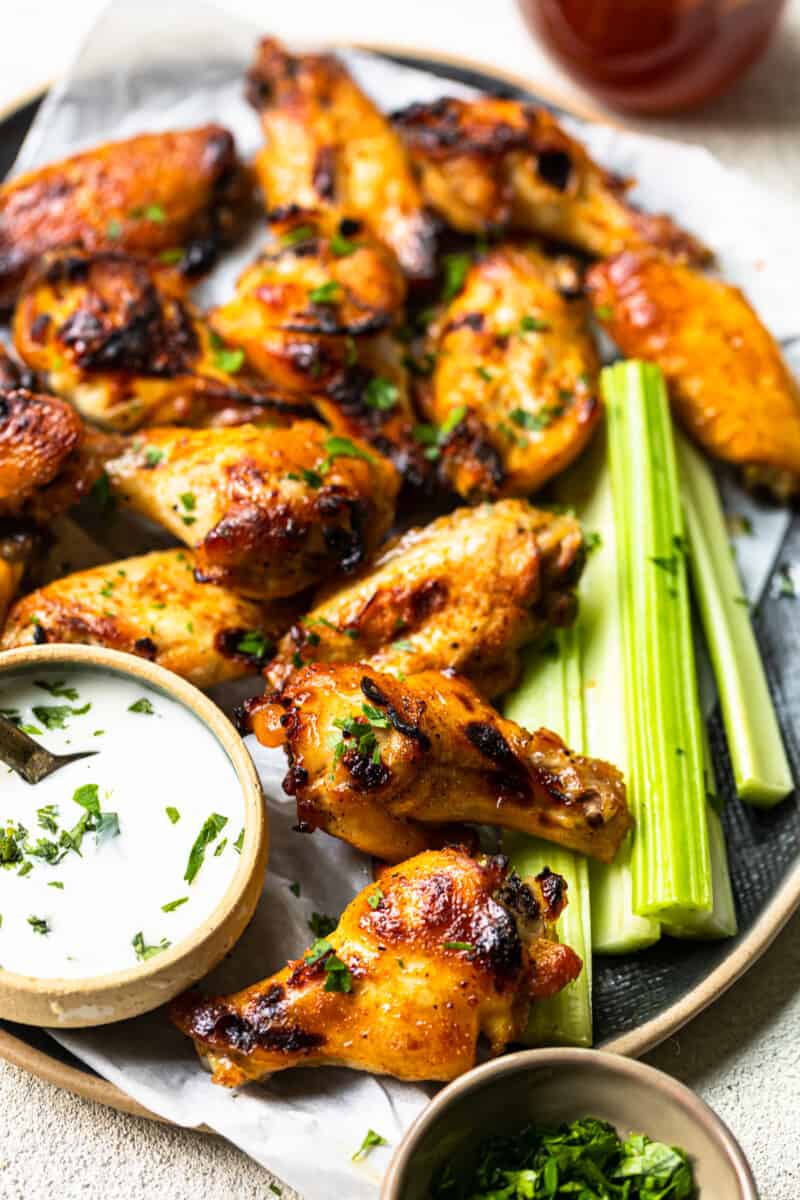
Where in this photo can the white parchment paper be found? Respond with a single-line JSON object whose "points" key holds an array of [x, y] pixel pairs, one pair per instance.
{"points": [[161, 64]]}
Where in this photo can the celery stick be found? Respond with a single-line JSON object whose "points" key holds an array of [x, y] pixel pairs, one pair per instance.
{"points": [[760, 768], [670, 859], [616, 928], [550, 695]]}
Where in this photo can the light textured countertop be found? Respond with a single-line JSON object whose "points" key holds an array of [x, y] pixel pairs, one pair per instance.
{"points": [[742, 1055]]}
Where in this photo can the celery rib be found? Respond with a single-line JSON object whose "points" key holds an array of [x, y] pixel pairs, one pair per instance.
{"points": [[760, 767]]}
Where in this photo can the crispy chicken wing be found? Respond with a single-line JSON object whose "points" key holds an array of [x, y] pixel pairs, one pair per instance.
{"points": [[268, 511], [327, 146], [442, 949], [117, 337], [18, 544], [729, 385], [489, 164], [153, 607], [155, 193], [515, 376], [464, 592], [384, 764]]}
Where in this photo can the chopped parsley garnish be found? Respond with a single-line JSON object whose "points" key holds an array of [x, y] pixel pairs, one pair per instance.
{"points": [[52, 716], [301, 233], [173, 904], [326, 293], [173, 814], [56, 884], [220, 847], [785, 585], [101, 492], [294, 888], [467, 946], [374, 898], [342, 246], [341, 447], [536, 422], [529, 324], [321, 924], [358, 733], [38, 925], [25, 869], [212, 828], [483, 374], [403, 644], [604, 312], [142, 706], [229, 360], [171, 256], [153, 456], [312, 478], [237, 845], [592, 540], [148, 212], [337, 973], [456, 267], [189, 504], [254, 644], [381, 394], [371, 1138], [46, 817], [114, 229], [58, 689], [144, 952], [433, 438]]}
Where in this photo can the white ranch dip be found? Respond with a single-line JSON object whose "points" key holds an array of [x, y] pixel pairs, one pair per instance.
{"points": [[134, 811]]}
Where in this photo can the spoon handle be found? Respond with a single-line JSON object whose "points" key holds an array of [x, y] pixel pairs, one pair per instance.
{"points": [[22, 753]]}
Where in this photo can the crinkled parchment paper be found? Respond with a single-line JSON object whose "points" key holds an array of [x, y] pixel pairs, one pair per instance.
{"points": [[155, 65]]}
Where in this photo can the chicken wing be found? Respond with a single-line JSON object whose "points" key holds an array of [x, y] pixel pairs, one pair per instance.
{"points": [[158, 193], [328, 146], [489, 164], [117, 337], [464, 592], [513, 388], [152, 606], [18, 544], [729, 385], [268, 511], [383, 764], [440, 950]]}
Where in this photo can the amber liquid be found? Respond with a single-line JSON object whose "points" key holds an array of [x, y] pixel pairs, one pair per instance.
{"points": [[654, 55]]}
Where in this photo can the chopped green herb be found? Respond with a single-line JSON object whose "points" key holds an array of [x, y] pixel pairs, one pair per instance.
{"points": [[25, 869], [171, 256], [342, 246], [604, 312], [153, 456], [326, 293], [31, 730], [114, 229], [483, 374], [294, 888], [39, 925], [58, 689], [56, 884], [785, 585], [52, 716], [301, 233], [101, 492], [148, 212], [220, 847], [453, 418], [467, 946], [321, 925], [456, 267], [341, 447], [530, 324], [403, 644], [46, 817], [173, 814], [237, 845], [229, 360], [276, 1191], [371, 1138], [142, 706], [255, 645], [381, 394], [536, 422], [107, 826], [212, 828], [592, 540], [173, 904], [374, 898], [144, 952]]}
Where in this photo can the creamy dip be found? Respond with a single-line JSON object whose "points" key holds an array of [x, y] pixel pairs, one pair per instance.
{"points": [[110, 860]]}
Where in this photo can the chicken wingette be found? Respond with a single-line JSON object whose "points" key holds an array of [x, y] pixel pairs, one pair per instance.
{"points": [[464, 592], [390, 765], [729, 385], [268, 511], [513, 387], [176, 194], [488, 165], [153, 607], [328, 146], [439, 951], [118, 338]]}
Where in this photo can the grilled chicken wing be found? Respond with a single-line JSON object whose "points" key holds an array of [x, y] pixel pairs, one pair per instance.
{"points": [[383, 764], [153, 607], [514, 380], [151, 194], [18, 544], [267, 511], [489, 164], [464, 592], [327, 146], [118, 338], [442, 949], [729, 385]]}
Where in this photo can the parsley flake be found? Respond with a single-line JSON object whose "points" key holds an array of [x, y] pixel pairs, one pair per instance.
{"points": [[371, 1138], [212, 828]]}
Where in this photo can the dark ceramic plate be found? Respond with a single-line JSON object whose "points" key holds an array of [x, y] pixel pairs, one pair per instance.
{"points": [[638, 999]]}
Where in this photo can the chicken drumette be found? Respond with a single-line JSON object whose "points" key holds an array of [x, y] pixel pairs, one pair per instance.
{"points": [[464, 592], [489, 164], [177, 194], [390, 765], [440, 950]]}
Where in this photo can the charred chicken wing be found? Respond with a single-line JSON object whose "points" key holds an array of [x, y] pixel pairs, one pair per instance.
{"points": [[159, 193], [440, 950], [383, 764], [513, 388], [464, 592], [489, 164], [729, 385], [152, 606], [268, 511], [117, 337], [327, 146]]}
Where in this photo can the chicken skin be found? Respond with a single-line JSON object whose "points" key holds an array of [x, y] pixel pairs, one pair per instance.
{"points": [[464, 592], [328, 146], [513, 388], [152, 606], [387, 765], [267, 511], [487, 165], [729, 385], [117, 337], [441, 950], [157, 193], [18, 545]]}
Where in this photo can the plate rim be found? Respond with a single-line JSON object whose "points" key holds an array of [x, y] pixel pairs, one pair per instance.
{"points": [[635, 1042]]}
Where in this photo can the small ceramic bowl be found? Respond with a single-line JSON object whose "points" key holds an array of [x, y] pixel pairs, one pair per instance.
{"points": [[98, 1000], [551, 1086]]}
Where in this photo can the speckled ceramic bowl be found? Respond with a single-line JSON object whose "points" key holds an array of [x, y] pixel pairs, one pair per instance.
{"points": [[550, 1086], [98, 1000]]}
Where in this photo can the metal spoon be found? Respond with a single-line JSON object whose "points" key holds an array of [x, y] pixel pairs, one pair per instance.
{"points": [[27, 757]]}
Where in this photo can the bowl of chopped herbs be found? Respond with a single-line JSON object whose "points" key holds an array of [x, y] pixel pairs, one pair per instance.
{"points": [[568, 1124]]}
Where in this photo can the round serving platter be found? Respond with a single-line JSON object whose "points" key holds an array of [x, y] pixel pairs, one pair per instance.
{"points": [[639, 1000]]}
